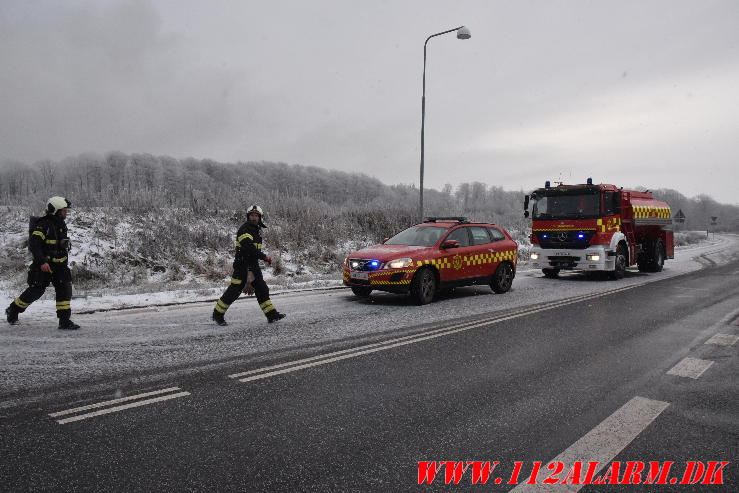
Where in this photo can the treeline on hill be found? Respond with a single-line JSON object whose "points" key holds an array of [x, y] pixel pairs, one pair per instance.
{"points": [[305, 197]]}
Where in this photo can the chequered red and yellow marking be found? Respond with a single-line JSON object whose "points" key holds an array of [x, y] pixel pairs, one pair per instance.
{"points": [[645, 211]]}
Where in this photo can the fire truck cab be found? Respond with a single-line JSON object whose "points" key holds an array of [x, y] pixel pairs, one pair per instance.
{"points": [[597, 228]]}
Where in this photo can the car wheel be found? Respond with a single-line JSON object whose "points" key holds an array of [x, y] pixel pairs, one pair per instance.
{"points": [[502, 279], [551, 273], [619, 270], [423, 287], [361, 291]]}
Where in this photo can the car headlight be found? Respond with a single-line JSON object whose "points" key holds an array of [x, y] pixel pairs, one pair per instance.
{"points": [[534, 256], [399, 263], [593, 256]]}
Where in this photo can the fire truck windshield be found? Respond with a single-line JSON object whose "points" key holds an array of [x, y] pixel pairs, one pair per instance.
{"points": [[558, 205]]}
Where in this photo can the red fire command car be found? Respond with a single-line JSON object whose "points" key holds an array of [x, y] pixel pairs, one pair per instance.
{"points": [[442, 252]]}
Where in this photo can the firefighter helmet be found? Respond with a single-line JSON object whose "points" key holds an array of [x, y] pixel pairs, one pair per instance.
{"points": [[56, 204], [255, 209]]}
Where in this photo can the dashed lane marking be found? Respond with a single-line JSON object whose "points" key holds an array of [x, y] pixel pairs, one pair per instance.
{"points": [[723, 340], [114, 409], [690, 368], [604, 442]]}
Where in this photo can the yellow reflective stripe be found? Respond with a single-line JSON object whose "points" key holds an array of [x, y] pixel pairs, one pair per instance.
{"points": [[59, 260], [245, 235], [39, 233], [221, 307], [236, 281], [267, 306], [51, 242], [258, 246], [222, 304], [20, 303], [63, 305]]}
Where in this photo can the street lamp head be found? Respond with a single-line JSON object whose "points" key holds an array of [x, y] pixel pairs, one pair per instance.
{"points": [[463, 33]]}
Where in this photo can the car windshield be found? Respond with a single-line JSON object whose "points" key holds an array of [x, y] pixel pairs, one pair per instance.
{"points": [[418, 236], [565, 206]]}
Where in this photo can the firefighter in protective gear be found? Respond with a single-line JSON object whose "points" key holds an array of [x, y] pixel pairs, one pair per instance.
{"points": [[49, 245], [248, 254]]}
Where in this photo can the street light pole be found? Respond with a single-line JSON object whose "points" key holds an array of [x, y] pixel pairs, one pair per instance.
{"points": [[462, 33]]}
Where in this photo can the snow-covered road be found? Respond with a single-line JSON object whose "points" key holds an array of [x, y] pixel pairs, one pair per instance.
{"points": [[138, 344]]}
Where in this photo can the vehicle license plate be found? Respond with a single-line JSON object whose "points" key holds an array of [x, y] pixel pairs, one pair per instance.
{"points": [[561, 254], [360, 275]]}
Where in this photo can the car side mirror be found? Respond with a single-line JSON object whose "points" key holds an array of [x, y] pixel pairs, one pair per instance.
{"points": [[450, 244], [525, 213]]}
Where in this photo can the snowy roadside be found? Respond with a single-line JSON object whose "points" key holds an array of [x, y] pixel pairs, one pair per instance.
{"points": [[686, 260]]}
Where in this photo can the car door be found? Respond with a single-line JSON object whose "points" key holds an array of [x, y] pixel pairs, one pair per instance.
{"points": [[502, 247], [481, 257], [457, 259]]}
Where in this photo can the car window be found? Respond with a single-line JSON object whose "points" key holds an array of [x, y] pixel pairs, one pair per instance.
{"points": [[479, 235], [496, 235], [461, 236]]}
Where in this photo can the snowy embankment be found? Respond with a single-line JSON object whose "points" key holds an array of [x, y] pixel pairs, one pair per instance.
{"points": [[121, 258]]}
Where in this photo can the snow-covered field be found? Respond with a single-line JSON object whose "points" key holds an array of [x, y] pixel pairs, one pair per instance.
{"points": [[134, 345]]}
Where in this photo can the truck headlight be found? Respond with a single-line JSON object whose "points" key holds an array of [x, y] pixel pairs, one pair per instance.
{"points": [[593, 256], [399, 263], [534, 256]]}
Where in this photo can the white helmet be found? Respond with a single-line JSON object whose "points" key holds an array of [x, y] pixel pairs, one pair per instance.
{"points": [[258, 210], [55, 204]]}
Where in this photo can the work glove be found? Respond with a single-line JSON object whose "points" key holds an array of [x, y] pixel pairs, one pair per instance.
{"points": [[268, 260]]}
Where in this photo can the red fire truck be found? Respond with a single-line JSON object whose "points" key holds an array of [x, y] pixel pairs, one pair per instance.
{"points": [[597, 228]]}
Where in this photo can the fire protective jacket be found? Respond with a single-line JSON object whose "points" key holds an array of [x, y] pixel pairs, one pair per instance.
{"points": [[248, 246], [49, 242]]}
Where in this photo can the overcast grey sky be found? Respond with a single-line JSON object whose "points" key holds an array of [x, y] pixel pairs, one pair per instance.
{"points": [[629, 92]]}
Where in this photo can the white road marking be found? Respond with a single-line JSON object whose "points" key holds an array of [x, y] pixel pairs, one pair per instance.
{"points": [[723, 340], [603, 443], [114, 401], [279, 369], [690, 368], [121, 408]]}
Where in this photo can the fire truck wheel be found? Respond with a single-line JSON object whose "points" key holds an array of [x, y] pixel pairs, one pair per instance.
{"points": [[361, 291], [658, 257], [502, 279], [423, 286], [551, 273], [621, 260]]}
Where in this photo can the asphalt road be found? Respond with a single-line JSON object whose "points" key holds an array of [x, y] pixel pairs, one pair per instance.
{"points": [[595, 375]]}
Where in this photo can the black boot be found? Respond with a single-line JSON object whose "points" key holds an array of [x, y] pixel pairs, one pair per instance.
{"points": [[67, 324], [218, 318], [274, 316], [11, 315]]}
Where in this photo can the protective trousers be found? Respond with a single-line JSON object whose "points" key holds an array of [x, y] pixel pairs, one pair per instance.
{"points": [[38, 281], [237, 285]]}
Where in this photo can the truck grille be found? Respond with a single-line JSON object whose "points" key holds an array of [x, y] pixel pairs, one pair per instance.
{"points": [[564, 262], [565, 239]]}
